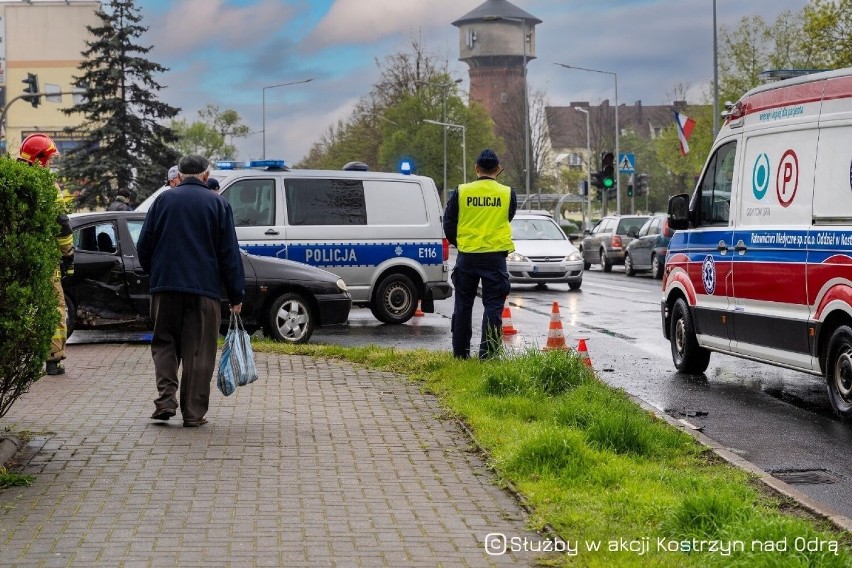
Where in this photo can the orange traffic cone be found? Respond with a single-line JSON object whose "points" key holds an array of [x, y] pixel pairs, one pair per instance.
{"points": [[583, 352], [555, 335], [418, 312], [508, 329]]}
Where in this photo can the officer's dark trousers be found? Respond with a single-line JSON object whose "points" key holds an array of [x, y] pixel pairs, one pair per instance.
{"points": [[186, 327], [471, 268]]}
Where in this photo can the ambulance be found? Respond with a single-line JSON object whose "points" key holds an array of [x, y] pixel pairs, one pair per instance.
{"points": [[760, 265]]}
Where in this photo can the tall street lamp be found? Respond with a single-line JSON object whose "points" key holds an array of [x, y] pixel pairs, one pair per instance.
{"points": [[464, 144], [617, 131], [588, 166], [263, 106], [444, 93]]}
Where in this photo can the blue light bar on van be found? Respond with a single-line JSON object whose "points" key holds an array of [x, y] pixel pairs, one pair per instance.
{"points": [[277, 164], [229, 165]]}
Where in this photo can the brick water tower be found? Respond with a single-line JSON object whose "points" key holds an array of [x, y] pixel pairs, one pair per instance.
{"points": [[496, 40]]}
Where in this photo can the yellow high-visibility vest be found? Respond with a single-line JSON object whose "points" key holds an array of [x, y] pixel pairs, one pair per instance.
{"points": [[484, 217]]}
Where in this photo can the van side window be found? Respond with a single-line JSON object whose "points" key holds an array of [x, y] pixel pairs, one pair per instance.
{"points": [[253, 202], [714, 206], [325, 202]]}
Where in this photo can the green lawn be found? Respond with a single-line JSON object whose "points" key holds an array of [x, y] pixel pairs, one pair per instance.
{"points": [[603, 473]]}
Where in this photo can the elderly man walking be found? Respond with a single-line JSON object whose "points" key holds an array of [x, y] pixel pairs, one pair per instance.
{"points": [[189, 247]]}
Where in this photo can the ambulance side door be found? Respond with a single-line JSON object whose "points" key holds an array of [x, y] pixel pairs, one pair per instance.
{"points": [[711, 249]]}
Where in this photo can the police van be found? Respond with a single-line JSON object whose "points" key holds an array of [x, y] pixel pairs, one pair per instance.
{"points": [[380, 232], [760, 265]]}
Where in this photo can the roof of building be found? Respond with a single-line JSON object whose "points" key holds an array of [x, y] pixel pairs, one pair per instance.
{"points": [[496, 10], [567, 127]]}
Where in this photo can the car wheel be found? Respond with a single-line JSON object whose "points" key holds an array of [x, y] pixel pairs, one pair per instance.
{"points": [[70, 316], [839, 372], [290, 319], [628, 265], [575, 285], [688, 356], [394, 300], [606, 265], [656, 267]]}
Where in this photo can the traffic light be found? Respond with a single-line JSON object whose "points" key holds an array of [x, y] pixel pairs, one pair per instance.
{"points": [[31, 83], [607, 169], [630, 186], [596, 180], [584, 188], [642, 184]]}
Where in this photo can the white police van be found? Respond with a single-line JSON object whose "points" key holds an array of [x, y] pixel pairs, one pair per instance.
{"points": [[760, 265], [380, 232]]}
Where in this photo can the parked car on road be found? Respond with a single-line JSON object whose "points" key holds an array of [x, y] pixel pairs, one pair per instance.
{"points": [[607, 240], [543, 252], [648, 250], [109, 289]]}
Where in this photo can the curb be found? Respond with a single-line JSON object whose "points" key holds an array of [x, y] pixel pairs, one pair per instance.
{"points": [[9, 446], [840, 521]]}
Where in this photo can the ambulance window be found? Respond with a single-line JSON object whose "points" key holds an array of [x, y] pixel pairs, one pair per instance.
{"points": [[325, 202], [715, 188]]}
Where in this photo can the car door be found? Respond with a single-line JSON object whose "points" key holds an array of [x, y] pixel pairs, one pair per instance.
{"points": [[256, 207], [640, 251], [138, 281], [98, 287]]}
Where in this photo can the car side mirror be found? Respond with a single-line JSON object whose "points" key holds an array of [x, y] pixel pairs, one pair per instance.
{"points": [[679, 212]]}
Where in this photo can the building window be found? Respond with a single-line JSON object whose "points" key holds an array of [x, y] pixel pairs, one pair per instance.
{"points": [[657, 132], [575, 159]]}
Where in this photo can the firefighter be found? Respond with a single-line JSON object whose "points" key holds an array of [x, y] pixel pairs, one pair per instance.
{"points": [[38, 149]]}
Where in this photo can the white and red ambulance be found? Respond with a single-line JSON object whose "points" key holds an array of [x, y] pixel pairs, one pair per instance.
{"points": [[761, 264]]}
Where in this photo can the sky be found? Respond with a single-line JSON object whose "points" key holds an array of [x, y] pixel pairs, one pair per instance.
{"points": [[225, 52]]}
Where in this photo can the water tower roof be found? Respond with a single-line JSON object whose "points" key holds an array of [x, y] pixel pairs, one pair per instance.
{"points": [[496, 10]]}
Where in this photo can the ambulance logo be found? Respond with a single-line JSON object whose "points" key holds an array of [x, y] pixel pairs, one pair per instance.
{"points": [[760, 176], [708, 275]]}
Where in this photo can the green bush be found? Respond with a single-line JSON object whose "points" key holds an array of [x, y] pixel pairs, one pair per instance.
{"points": [[28, 314]]}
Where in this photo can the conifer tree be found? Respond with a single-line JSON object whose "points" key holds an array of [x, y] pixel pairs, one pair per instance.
{"points": [[124, 120]]}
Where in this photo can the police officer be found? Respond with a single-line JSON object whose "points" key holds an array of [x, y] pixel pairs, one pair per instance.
{"points": [[477, 221], [38, 149]]}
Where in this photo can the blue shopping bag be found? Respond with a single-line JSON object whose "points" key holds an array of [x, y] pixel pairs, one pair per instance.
{"points": [[236, 365]]}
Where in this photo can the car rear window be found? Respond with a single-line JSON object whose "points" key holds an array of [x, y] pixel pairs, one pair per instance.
{"points": [[631, 224]]}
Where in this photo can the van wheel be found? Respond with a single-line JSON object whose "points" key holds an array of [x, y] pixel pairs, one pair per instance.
{"points": [[656, 267], [839, 372], [70, 316], [688, 356], [395, 299], [606, 265], [628, 266], [289, 319]]}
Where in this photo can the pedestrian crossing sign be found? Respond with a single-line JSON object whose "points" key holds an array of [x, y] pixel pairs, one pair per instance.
{"points": [[626, 163]]}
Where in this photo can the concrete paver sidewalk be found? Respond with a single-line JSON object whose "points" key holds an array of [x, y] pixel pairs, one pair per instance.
{"points": [[319, 463]]}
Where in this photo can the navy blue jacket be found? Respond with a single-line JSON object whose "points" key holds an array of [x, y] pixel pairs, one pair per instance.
{"points": [[189, 244]]}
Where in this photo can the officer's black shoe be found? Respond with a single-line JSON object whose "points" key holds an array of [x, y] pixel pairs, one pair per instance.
{"points": [[55, 368]]}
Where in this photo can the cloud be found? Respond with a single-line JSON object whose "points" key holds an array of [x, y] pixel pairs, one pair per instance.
{"points": [[360, 21]]}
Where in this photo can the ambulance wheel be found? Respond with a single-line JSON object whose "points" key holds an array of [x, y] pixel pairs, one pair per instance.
{"points": [[289, 319], [606, 265], [688, 356], [656, 267], [839, 372], [395, 299], [628, 265]]}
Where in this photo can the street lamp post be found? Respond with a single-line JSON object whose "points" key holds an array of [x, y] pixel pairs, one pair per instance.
{"points": [[588, 167], [617, 131], [464, 143], [444, 93], [263, 107]]}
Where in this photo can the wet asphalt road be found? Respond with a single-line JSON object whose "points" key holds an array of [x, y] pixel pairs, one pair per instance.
{"points": [[778, 419]]}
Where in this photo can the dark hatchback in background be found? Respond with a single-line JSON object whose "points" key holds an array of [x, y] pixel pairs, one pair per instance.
{"points": [[109, 289], [648, 250], [607, 240]]}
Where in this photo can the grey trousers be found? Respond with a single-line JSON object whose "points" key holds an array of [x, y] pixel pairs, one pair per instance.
{"points": [[186, 327]]}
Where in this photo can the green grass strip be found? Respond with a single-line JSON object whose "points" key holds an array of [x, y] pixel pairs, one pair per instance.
{"points": [[619, 485]]}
